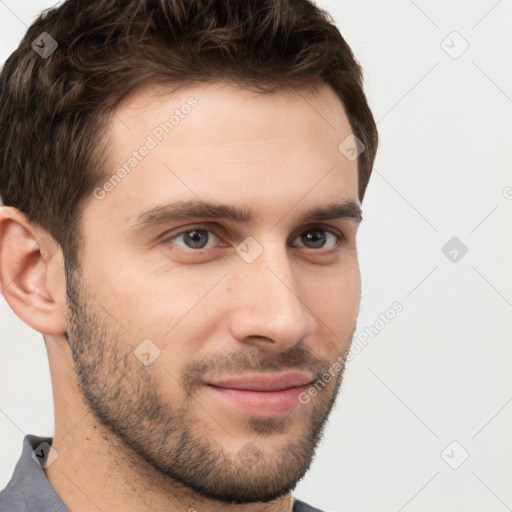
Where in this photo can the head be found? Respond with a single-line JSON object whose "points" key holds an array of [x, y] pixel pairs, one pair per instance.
{"points": [[181, 211]]}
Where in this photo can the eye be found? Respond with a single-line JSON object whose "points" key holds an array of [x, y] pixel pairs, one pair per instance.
{"points": [[199, 237], [195, 238], [319, 238]]}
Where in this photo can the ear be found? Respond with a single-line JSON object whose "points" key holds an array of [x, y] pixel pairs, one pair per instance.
{"points": [[32, 278]]}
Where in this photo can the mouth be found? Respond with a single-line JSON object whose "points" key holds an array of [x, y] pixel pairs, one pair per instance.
{"points": [[263, 395]]}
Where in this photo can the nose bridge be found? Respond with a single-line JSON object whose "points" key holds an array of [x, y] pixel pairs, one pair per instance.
{"points": [[268, 303]]}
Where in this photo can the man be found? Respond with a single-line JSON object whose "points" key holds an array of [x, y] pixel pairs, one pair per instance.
{"points": [[182, 185]]}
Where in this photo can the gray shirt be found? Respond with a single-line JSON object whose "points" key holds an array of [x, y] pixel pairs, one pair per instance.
{"points": [[30, 491]]}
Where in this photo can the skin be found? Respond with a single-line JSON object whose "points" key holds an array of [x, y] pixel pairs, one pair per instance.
{"points": [[131, 437]]}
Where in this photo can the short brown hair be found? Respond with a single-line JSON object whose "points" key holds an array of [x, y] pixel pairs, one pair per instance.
{"points": [[54, 108]]}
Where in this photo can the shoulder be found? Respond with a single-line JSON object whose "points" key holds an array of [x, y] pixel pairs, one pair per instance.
{"points": [[300, 506], [12, 499]]}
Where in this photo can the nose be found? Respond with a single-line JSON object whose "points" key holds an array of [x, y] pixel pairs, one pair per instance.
{"points": [[268, 309]]}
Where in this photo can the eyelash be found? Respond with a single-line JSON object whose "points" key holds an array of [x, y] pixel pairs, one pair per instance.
{"points": [[340, 237]]}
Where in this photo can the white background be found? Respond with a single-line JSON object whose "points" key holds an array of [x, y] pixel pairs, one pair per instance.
{"points": [[440, 371]]}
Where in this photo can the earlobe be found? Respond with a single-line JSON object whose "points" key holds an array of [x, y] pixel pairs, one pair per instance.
{"points": [[28, 273]]}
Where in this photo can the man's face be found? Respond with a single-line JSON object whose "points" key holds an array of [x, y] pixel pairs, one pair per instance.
{"points": [[243, 325]]}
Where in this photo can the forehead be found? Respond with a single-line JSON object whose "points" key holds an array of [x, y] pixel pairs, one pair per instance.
{"points": [[224, 143], [226, 114], [228, 99]]}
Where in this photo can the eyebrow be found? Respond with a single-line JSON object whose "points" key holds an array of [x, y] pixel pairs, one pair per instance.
{"points": [[183, 210]]}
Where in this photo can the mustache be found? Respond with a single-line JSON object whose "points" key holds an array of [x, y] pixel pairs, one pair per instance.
{"points": [[252, 359]]}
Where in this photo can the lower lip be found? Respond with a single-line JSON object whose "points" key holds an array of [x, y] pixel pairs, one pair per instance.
{"points": [[262, 404]]}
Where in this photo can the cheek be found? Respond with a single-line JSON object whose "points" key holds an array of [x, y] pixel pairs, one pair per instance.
{"points": [[177, 310], [335, 299], [145, 299], [335, 288]]}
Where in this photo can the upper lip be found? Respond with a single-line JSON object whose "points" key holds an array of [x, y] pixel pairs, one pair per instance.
{"points": [[264, 381]]}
